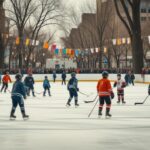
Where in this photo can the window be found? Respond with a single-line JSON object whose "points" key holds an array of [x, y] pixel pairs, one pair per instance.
{"points": [[143, 18], [143, 10]]}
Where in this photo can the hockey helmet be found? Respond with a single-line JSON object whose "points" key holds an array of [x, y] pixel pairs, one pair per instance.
{"points": [[105, 74], [18, 76], [73, 74]]}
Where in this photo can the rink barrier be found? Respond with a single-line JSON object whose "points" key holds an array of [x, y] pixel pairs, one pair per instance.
{"points": [[86, 77]]}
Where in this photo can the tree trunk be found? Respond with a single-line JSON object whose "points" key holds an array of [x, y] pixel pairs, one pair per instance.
{"points": [[1, 52], [137, 43]]}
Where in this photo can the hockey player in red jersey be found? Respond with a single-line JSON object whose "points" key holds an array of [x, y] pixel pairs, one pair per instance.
{"points": [[104, 90], [120, 84]]}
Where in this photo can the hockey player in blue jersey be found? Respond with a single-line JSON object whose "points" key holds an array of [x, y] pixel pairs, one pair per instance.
{"points": [[18, 93], [46, 86], [29, 83], [73, 89]]}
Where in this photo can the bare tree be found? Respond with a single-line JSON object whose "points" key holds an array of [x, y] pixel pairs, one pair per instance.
{"points": [[2, 23], [131, 21]]}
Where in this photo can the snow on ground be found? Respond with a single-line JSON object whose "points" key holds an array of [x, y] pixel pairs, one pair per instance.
{"points": [[53, 126]]}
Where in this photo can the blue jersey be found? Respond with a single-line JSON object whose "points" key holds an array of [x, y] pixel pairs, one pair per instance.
{"points": [[73, 83], [18, 89], [46, 83]]}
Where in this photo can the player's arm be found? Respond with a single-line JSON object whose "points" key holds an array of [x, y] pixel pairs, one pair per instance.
{"points": [[98, 84], [115, 84], [110, 90]]}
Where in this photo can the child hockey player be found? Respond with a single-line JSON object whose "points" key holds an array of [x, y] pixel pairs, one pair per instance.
{"points": [[63, 76], [73, 89], [18, 93], [46, 86], [120, 84], [29, 83], [5, 81], [104, 90], [54, 76]]}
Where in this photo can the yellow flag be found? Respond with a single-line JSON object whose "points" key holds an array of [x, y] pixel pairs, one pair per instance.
{"points": [[119, 41], [27, 41]]}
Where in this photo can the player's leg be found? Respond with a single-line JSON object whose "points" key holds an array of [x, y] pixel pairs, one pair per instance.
{"points": [[14, 106], [70, 98], [6, 87], [22, 108], [108, 106], [101, 104], [75, 94]]}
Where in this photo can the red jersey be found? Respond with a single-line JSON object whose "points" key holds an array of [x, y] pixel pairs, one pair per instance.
{"points": [[104, 87], [6, 79]]}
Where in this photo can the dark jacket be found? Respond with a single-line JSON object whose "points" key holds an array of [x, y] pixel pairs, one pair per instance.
{"points": [[73, 84], [18, 89], [63, 76], [29, 81]]}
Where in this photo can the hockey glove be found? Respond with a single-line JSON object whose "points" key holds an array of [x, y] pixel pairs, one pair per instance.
{"points": [[112, 95]]}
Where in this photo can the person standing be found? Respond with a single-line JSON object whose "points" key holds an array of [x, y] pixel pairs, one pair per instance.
{"points": [[63, 76], [132, 76], [120, 84], [104, 91], [5, 81], [18, 93], [54, 76], [73, 90], [29, 83], [46, 86], [127, 78]]}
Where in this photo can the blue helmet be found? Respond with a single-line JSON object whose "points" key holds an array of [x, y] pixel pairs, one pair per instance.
{"points": [[105, 74], [73, 74]]}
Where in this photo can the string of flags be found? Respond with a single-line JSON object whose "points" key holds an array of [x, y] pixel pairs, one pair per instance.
{"points": [[73, 52]]}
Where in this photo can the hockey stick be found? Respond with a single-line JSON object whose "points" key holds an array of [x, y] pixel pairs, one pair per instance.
{"points": [[93, 109], [84, 94], [140, 103], [92, 100]]}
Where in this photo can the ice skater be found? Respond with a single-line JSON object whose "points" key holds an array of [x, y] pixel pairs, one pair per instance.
{"points": [[104, 91], [120, 84], [18, 93], [46, 86], [6, 79], [54, 76], [63, 76], [73, 89], [29, 83], [132, 76]]}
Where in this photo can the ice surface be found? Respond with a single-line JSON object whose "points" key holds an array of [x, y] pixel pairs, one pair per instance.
{"points": [[52, 126]]}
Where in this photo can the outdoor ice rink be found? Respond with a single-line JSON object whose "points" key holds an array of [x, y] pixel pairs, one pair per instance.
{"points": [[52, 126]]}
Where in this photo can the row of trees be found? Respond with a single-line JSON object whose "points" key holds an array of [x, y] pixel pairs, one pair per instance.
{"points": [[33, 19], [98, 30]]}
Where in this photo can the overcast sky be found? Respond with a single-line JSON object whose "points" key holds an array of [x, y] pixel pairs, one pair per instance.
{"points": [[78, 5]]}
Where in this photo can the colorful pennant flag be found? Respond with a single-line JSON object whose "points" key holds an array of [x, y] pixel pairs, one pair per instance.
{"points": [[46, 45], [17, 41]]}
